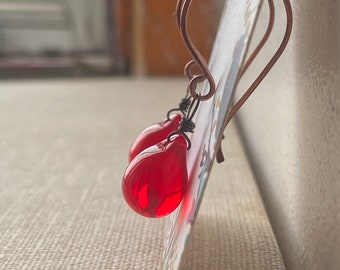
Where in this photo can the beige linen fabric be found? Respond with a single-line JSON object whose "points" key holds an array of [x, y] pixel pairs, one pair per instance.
{"points": [[232, 230], [63, 150]]}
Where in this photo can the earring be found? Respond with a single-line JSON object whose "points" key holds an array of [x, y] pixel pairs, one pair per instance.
{"points": [[156, 179]]}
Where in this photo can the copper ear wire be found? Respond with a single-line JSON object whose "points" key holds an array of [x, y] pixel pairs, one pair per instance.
{"points": [[267, 68], [272, 61], [219, 154], [181, 16]]}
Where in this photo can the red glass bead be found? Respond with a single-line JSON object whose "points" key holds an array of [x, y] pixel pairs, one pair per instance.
{"points": [[155, 181], [154, 134]]}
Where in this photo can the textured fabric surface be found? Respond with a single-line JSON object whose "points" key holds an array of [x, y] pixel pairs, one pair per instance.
{"points": [[232, 230], [63, 150]]}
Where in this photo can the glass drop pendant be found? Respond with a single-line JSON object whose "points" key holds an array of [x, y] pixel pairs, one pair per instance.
{"points": [[154, 134], [155, 181]]}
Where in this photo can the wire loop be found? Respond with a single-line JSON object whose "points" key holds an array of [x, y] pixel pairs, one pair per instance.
{"points": [[187, 125], [182, 106]]}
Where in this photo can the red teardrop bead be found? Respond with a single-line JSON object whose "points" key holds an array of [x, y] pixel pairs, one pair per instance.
{"points": [[154, 134], [155, 181]]}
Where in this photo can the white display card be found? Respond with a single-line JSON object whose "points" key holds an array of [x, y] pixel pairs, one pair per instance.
{"points": [[232, 40]]}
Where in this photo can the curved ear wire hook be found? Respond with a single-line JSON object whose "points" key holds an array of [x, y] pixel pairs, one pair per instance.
{"points": [[269, 65], [219, 154], [264, 72], [187, 125], [181, 15]]}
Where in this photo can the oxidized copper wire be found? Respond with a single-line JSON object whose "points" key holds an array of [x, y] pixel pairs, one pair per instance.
{"points": [[219, 154], [181, 16], [269, 65], [267, 68]]}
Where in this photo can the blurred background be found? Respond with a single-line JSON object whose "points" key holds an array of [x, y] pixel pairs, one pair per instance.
{"points": [[40, 38]]}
